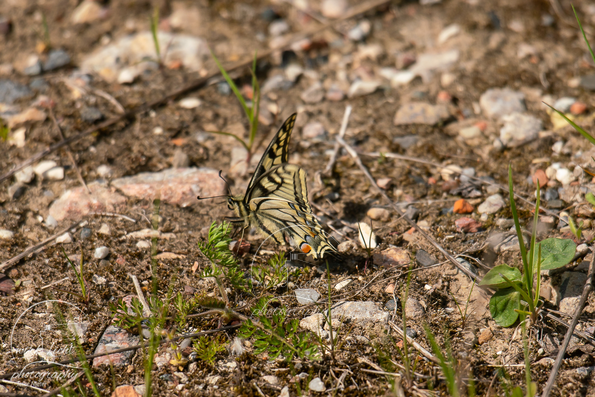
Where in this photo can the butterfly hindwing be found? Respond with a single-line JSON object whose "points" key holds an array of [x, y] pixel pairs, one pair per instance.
{"points": [[276, 201], [279, 206]]}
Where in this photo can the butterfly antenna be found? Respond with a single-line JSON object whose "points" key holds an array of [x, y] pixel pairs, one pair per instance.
{"points": [[226, 183], [223, 195]]}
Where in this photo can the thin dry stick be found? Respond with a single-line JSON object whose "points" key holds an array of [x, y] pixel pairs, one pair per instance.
{"points": [[476, 179], [197, 84], [425, 235], [70, 156], [141, 297], [579, 309], [110, 99], [124, 349], [416, 345], [580, 334], [329, 167], [59, 389], [35, 247]]}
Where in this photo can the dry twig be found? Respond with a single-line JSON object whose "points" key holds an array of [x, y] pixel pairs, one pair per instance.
{"points": [[413, 343], [579, 309], [35, 247]]}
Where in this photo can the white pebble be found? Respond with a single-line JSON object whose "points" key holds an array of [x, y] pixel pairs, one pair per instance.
{"points": [[104, 171], [551, 171], [450, 172], [157, 131], [190, 103], [101, 252], [66, 238], [55, 174], [557, 147], [366, 236], [104, 229], [6, 234], [448, 32], [564, 176], [50, 221], [143, 244], [44, 166], [25, 175]]}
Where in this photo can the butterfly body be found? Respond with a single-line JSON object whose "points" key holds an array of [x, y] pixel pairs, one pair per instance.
{"points": [[276, 200]]}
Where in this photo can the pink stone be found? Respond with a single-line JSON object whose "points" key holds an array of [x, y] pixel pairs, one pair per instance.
{"points": [[75, 203]]}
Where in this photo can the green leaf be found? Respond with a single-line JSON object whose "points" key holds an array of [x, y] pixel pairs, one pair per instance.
{"points": [[590, 198], [493, 279], [556, 252], [503, 305], [517, 392]]}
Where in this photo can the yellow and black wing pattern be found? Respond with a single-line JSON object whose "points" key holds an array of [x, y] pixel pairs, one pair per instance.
{"points": [[276, 201]]}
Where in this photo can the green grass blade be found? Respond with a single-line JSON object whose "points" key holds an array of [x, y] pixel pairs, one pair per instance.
{"points": [[583, 32], [538, 281], [515, 216], [233, 87], [154, 28], [518, 289], [255, 103], [237, 138], [574, 125], [530, 274]]}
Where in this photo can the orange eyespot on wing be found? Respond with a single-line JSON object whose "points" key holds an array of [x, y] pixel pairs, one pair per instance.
{"points": [[305, 247]]}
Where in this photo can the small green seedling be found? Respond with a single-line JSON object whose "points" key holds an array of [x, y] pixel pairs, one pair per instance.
{"points": [[84, 295], [252, 111], [4, 130], [519, 293], [207, 348]]}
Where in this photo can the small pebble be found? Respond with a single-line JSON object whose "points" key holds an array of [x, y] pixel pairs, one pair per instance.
{"points": [[333, 8], [104, 229], [462, 206], [85, 233], [104, 171], [379, 214], [143, 244], [551, 194], [390, 305], [578, 108], [313, 94], [25, 175], [101, 252], [55, 174], [6, 234], [491, 205], [66, 238], [189, 103], [44, 166], [470, 132], [540, 176], [91, 114], [334, 93], [316, 385], [564, 176], [51, 222], [467, 225], [564, 104], [384, 183], [492, 189], [361, 88], [16, 191]]}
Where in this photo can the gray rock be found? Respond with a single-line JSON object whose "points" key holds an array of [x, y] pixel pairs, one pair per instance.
{"points": [[306, 296], [334, 93], [424, 258], [39, 84], [91, 114], [467, 265], [275, 83], [112, 339], [178, 186], [570, 290], [359, 312], [551, 194], [413, 308], [430, 63], [56, 59], [411, 332], [11, 91], [317, 385], [564, 104], [224, 88], [17, 190], [405, 142], [33, 70], [361, 88], [519, 129], [313, 94], [390, 305], [360, 31], [588, 82], [412, 213], [420, 113], [101, 252], [85, 233], [498, 102], [492, 205]]}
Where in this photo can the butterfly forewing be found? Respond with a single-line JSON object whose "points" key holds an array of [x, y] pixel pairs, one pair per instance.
{"points": [[277, 152], [276, 201]]}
